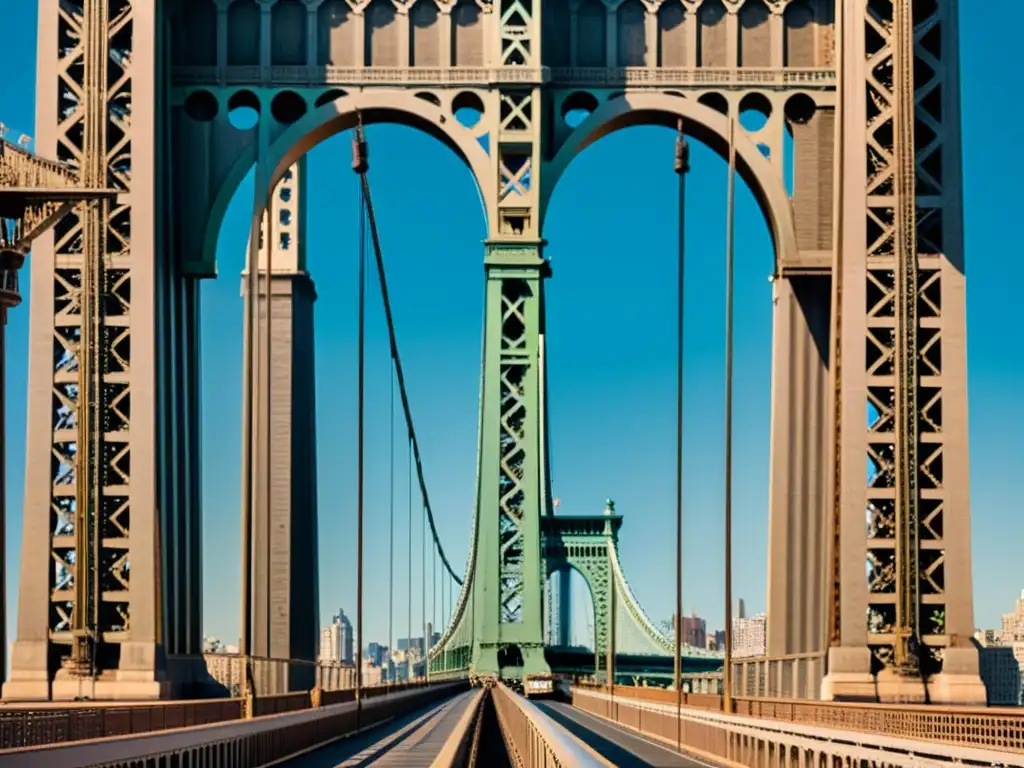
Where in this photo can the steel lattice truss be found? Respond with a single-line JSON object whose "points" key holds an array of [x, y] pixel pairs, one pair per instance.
{"points": [[904, 303], [513, 455], [91, 497], [34, 193]]}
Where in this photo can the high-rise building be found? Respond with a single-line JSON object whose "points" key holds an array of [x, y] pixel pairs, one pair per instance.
{"points": [[694, 629], [336, 640], [1002, 649], [1013, 624], [345, 637], [1000, 671]]}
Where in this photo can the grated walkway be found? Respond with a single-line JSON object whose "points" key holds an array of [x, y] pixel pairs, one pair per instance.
{"points": [[412, 741]]}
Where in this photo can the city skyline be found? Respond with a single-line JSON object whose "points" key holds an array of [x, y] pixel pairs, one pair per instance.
{"points": [[437, 251]]}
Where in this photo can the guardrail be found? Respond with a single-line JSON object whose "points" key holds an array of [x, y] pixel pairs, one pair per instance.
{"points": [[796, 676], [31, 725], [738, 740], [533, 740], [998, 728], [241, 744], [456, 752]]}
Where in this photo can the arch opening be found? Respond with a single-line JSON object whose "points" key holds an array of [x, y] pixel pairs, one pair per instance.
{"points": [[243, 110], [415, 241], [330, 119], [570, 615], [700, 122], [631, 245]]}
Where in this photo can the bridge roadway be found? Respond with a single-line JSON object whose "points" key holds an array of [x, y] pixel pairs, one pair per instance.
{"points": [[417, 739], [617, 745], [409, 741]]}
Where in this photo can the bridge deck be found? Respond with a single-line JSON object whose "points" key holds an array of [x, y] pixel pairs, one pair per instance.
{"points": [[410, 741], [617, 745]]}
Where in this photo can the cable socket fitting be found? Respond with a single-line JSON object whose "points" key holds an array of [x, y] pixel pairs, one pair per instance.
{"points": [[360, 152], [682, 155]]}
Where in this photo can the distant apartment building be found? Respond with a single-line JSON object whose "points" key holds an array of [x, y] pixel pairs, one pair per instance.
{"points": [[410, 643], [377, 653], [715, 641], [1001, 658], [1013, 624], [748, 636]]}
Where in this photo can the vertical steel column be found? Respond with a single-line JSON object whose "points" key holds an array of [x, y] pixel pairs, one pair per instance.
{"points": [[88, 509], [729, 254], [682, 166]]}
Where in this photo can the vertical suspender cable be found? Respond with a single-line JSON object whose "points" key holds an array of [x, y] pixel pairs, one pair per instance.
{"points": [[423, 586], [408, 636], [391, 541], [360, 162], [610, 660], [682, 166], [360, 165], [729, 249], [433, 604]]}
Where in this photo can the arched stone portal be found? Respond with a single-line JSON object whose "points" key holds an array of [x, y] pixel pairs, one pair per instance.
{"points": [[897, 247]]}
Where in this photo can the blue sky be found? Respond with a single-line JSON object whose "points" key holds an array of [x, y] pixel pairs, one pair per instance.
{"points": [[611, 230]]}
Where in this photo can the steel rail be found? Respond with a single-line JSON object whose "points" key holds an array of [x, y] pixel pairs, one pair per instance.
{"points": [[534, 739]]}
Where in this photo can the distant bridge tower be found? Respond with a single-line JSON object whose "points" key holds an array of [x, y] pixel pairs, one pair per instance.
{"points": [[285, 582]]}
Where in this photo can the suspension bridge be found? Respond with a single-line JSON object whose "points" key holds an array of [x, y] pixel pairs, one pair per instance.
{"points": [[135, 161]]}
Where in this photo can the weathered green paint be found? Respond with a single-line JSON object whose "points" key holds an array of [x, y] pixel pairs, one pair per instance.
{"points": [[507, 573], [581, 543]]}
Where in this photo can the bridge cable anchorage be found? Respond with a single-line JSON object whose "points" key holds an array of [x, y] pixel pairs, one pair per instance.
{"points": [[360, 165], [682, 167]]}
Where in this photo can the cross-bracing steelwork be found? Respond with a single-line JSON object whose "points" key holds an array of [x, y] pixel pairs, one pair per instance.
{"points": [[869, 363]]}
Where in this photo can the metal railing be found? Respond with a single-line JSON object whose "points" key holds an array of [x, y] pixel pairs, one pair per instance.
{"points": [[741, 740], [797, 676], [824, 729], [456, 751], [241, 744], [533, 740], [31, 725]]}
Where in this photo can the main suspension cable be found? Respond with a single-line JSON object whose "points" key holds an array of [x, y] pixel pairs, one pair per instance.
{"points": [[399, 371]]}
